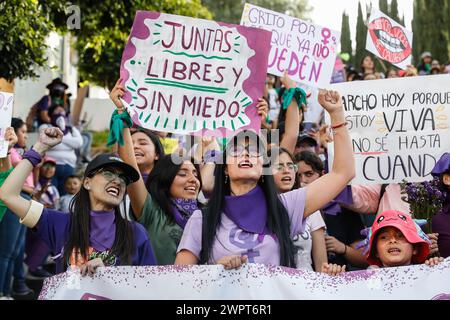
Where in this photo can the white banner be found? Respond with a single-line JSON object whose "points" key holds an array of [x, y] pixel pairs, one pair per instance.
{"points": [[399, 127], [6, 108], [389, 40], [308, 51], [252, 281]]}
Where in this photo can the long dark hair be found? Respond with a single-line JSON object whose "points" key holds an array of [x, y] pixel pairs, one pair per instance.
{"points": [[277, 219], [278, 151], [161, 178], [80, 207]]}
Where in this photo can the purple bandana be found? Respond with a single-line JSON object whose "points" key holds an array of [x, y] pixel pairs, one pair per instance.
{"points": [[102, 232], [182, 210], [249, 211]]}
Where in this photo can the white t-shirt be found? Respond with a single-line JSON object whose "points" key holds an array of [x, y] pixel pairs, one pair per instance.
{"points": [[303, 241]]}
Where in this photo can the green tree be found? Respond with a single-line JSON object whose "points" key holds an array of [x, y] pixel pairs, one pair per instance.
{"points": [[346, 40], [438, 35], [416, 29], [393, 11], [361, 34], [384, 7], [23, 30], [105, 26], [231, 10], [402, 20]]}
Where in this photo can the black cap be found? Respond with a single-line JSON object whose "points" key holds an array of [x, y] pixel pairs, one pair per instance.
{"points": [[111, 160], [303, 136], [57, 82]]}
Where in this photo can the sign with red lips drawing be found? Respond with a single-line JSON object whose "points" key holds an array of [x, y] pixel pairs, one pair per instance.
{"points": [[389, 40]]}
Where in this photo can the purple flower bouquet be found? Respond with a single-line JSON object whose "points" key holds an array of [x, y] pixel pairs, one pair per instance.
{"points": [[425, 200]]}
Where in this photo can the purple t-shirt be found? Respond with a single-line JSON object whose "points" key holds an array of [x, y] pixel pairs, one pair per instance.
{"points": [[54, 227], [232, 240]]}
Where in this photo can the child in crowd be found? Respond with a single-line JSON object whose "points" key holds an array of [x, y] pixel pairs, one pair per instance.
{"points": [[45, 192], [72, 186], [396, 240]]}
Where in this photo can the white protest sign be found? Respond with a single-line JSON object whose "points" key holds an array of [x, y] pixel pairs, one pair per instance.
{"points": [[399, 127], [6, 108], [389, 40], [186, 75], [306, 50], [251, 281]]}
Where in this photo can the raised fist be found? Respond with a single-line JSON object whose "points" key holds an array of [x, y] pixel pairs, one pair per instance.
{"points": [[330, 100], [48, 138]]}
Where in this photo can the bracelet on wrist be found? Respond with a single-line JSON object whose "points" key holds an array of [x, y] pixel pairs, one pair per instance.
{"points": [[337, 126]]}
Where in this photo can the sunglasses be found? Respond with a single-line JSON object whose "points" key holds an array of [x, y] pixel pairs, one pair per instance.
{"points": [[110, 175]]}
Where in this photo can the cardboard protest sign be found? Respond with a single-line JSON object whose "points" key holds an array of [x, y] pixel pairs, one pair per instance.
{"points": [[389, 40], [399, 127], [6, 107], [186, 75], [251, 281], [306, 50]]}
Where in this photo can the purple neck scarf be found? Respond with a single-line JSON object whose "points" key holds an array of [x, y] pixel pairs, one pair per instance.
{"points": [[145, 176], [249, 211], [182, 210], [333, 208], [102, 231]]}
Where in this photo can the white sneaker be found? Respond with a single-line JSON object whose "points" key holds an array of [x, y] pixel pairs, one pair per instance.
{"points": [[6, 298]]}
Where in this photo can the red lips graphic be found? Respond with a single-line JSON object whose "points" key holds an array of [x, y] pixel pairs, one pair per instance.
{"points": [[391, 42]]}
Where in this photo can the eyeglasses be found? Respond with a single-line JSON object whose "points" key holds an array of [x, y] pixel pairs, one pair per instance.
{"points": [[110, 175], [290, 166], [237, 150]]}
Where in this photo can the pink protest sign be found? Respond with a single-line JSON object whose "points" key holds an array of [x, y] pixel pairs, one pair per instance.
{"points": [[186, 75]]}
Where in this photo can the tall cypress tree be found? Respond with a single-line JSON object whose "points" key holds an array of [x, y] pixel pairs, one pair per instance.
{"points": [[393, 11], [447, 4], [361, 34], [438, 37], [383, 4], [417, 30], [346, 40]]}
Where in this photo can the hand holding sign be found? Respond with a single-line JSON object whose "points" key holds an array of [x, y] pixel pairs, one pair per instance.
{"points": [[116, 93], [263, 109], [10, 137]]}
